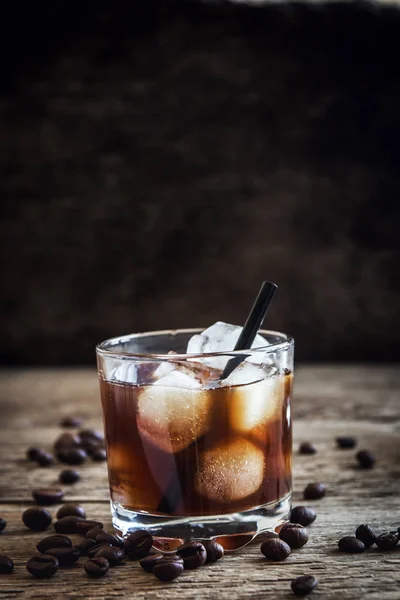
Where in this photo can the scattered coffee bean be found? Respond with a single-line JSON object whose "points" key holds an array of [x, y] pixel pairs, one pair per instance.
{"points": [[90, 434], [303, 515], [42, 566], [85, 545], [92, 446], [366, 534], [36, 518], [67, 441], [69, 476], [275, 549], [53, 541], [65, 556], [346, 442], [47, 496], [351, 544], [70, 422], [67, 525], [214, 550], [3, 524], [366, 459], [307, 448], [168, 569], [97, 567], [93, 533], [102, 537], [149, 562], [33, 453], [72, 456], [45, 459], [99, 455], [396, 533], [301, 586], [314, 491], [387, 541], [71, 510], [193, 554], [85, 525], [113, 554], [6, 565], [95, 549], [138, 544], [294, 534]]}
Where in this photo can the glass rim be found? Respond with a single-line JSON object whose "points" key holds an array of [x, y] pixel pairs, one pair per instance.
{"points": [[101, 349]]}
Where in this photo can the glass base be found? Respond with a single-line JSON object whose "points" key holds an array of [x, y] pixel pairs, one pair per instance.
{"points": [[173, 531]]}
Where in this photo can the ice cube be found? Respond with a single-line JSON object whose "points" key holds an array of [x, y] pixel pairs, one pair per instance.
{"points": [[126, 372], [219, 337], [174, 411], [243, 374], [231, 472], [255, 403]]}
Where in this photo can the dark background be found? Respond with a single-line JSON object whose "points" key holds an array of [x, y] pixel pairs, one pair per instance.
{"points": [[159, 159]]}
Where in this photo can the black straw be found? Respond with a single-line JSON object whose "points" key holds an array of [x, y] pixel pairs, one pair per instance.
{"points": [[253, 323]]}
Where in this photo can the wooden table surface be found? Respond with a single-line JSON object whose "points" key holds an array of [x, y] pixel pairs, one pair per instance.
{"points": [[329, 401]]}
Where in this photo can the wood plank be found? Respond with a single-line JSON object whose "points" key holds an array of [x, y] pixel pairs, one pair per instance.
{"points": [[329, 401]]}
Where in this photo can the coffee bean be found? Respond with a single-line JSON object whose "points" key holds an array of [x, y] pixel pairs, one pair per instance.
{"points": [[65, 556], [113, 554], [275, 549], [6, 565], [167, 570], [33, 453], [95, 549], [71, 510], [90, 434], [71, 456], [99, 455], [93, 533], [366, 534], [69, 476], [314, 491], [67, 525], [70, 422], [303, 515], [138, 544], [3, 524], [301, 586], [97, 567], [193, 554], [366, 459], [47, 496], [102, 537], [351, 544], [92, 446], [149, 562], [346, 442], [294, 534], [85, 545], [214, 550], [387, 541], [307, 448], [42, 566], [67, 441], [45, 459], [85, 525], [53, 541], [36, 518]]}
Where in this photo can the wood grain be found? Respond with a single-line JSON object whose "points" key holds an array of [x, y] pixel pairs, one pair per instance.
{"points": [[329, 401]]}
